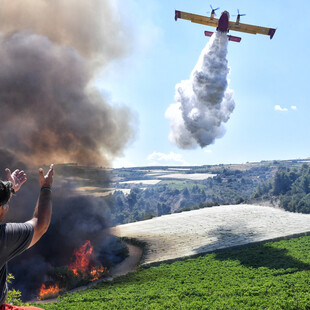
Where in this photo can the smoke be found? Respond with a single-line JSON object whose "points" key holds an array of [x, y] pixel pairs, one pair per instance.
{"points": [[49, 52], [93, 27], [204, 102], [76, 218]]}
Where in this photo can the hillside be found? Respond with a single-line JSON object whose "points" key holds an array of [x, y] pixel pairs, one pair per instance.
{"points": [[195, 232], [135, 194], [270, 276], [184, 234]]}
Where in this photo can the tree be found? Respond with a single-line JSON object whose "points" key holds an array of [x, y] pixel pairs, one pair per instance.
{"points": [[303, 205], [305, 184], [185, 192], [282, 183]]}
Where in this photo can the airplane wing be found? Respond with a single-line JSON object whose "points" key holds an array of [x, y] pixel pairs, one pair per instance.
{"points": [[251, 29], [199, 19], [211, 21]]}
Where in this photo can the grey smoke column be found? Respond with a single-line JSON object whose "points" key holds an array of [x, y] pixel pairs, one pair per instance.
{"points": [[204, 102], [49, 54], [93, 27]]}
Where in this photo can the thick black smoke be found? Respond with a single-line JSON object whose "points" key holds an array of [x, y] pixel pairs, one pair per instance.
{"points": [[49, 114], [50, 52], [76, 218]]}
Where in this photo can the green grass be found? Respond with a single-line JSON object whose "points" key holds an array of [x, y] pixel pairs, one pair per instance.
{"points": [[275, 275]]}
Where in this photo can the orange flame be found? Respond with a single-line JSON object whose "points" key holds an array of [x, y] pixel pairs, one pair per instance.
{"points": [[82, 258], [82, 261], [80, 267], [97, 272], [50, 291]]}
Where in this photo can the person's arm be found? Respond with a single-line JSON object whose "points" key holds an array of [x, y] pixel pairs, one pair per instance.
{"points": [[43, 210]]}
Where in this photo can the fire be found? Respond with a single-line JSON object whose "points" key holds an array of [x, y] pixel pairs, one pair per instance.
{"points": [[97, 272], [50, 291], [81, 263], [80, 266], [82, 258]]}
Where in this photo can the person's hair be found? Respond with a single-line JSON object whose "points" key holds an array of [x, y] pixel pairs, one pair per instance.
{"points": [[6, 188]]}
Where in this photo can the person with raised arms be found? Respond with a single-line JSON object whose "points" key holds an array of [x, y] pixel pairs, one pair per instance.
{"points": [[15, 238]]}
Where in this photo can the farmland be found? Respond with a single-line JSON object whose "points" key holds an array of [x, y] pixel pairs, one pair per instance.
{"points": [[274, 275]]}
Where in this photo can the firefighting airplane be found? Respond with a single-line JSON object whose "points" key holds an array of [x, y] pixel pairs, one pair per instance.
{"points": [[224, 25]]}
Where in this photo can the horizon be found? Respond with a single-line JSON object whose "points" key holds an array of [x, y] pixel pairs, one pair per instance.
{"points": [[183, 167]]}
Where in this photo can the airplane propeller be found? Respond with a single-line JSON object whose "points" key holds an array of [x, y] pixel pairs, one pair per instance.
{"points": [[213, 10], [238, 16]]}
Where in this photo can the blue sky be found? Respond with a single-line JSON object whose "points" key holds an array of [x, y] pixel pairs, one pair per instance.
{"points": [[268, 78]]}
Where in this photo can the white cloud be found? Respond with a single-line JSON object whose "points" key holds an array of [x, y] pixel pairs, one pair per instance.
{"points": [[157, 158], [207, 151], [278, 108]]}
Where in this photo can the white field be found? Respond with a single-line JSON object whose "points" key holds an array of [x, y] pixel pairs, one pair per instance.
{"points": [[194, 176], [188, 233], [126, 191], [153, 174], [146, 182]]}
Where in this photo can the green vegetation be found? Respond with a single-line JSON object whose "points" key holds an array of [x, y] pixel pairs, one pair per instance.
{"points": [[275, 275], [229, 186], [291, 187], [14, 296]]}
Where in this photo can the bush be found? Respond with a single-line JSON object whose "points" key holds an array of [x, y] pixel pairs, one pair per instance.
{"points": [[14, 296]]}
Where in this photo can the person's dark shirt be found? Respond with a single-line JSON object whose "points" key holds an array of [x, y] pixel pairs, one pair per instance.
{"points": [[15, 238]]}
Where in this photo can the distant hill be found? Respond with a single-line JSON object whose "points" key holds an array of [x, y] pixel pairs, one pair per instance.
{"points": [[139, 193]]}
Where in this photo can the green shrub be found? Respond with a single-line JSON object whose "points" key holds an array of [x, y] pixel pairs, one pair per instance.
{"points": [[14, 296]]}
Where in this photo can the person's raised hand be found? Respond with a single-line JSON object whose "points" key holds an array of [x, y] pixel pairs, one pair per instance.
{"points": [[46, 180], [18, 178]]}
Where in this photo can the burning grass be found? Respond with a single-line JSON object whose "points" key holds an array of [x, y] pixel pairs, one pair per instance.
{"points": [[79, 272], [47, 292]]}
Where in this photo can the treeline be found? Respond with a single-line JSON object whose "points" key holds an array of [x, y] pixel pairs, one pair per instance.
{"points": [[142, 204], [291, 186], [171, 196]]}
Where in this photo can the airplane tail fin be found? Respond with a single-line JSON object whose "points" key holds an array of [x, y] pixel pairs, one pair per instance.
{"points": [[208, 33], [234, 39], [230, 38]]}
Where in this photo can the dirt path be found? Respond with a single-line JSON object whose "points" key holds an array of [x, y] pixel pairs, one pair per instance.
{"points": [[129, 264]]}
